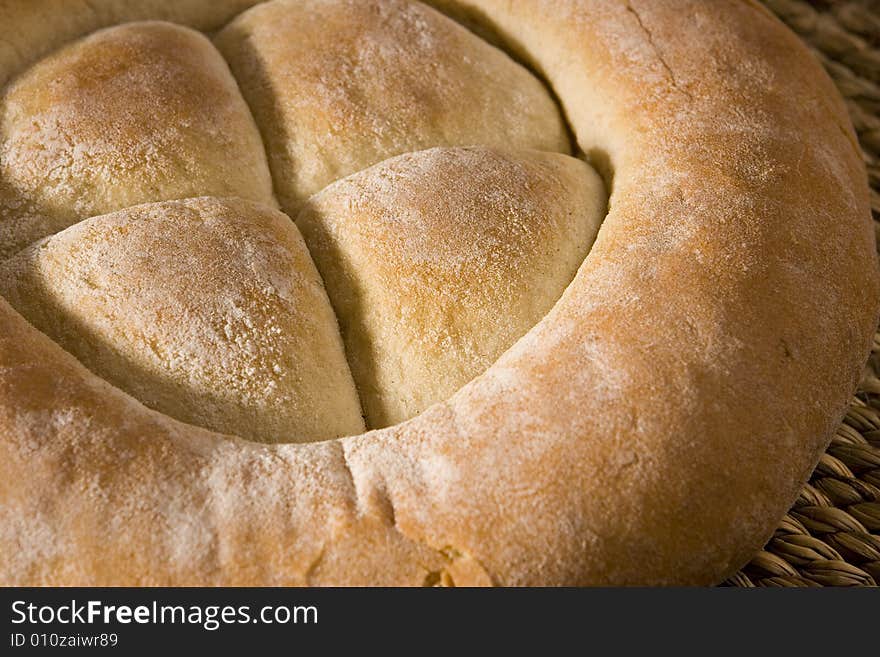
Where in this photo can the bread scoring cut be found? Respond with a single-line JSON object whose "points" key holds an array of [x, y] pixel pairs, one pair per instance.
{"points": [[337, 86], [645, 431]]}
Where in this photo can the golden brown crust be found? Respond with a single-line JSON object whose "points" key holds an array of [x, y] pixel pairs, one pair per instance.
{"points": [[36, 27], [366, 80], [437, 261], [251, 347], [136, 113], [646, 431]]}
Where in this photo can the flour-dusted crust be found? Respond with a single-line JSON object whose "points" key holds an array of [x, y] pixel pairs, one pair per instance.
{"points": [[437, 261], [363, 81], [208, 310], [141, 112], [651, 429]]}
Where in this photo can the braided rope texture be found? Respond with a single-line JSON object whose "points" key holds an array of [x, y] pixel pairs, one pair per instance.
{"points": [[831, 536]]}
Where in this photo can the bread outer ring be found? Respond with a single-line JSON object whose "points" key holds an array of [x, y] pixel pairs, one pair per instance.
{"points": [[652, 429]]}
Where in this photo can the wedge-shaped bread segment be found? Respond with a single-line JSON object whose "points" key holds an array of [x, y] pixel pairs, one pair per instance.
{"points": [[131, 114], [337, 86], [437, 261], [208, 310]]}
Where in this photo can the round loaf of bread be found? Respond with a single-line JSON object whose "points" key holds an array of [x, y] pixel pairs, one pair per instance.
{"points": [[457, 354]]}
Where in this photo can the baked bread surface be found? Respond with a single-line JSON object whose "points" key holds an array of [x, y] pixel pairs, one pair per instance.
{"points": [[437, 261], [645, 431], [209, 310], [140, 112]]}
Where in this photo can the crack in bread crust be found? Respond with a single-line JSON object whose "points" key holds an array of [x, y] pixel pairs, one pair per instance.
{"points": [[641, 433]]}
